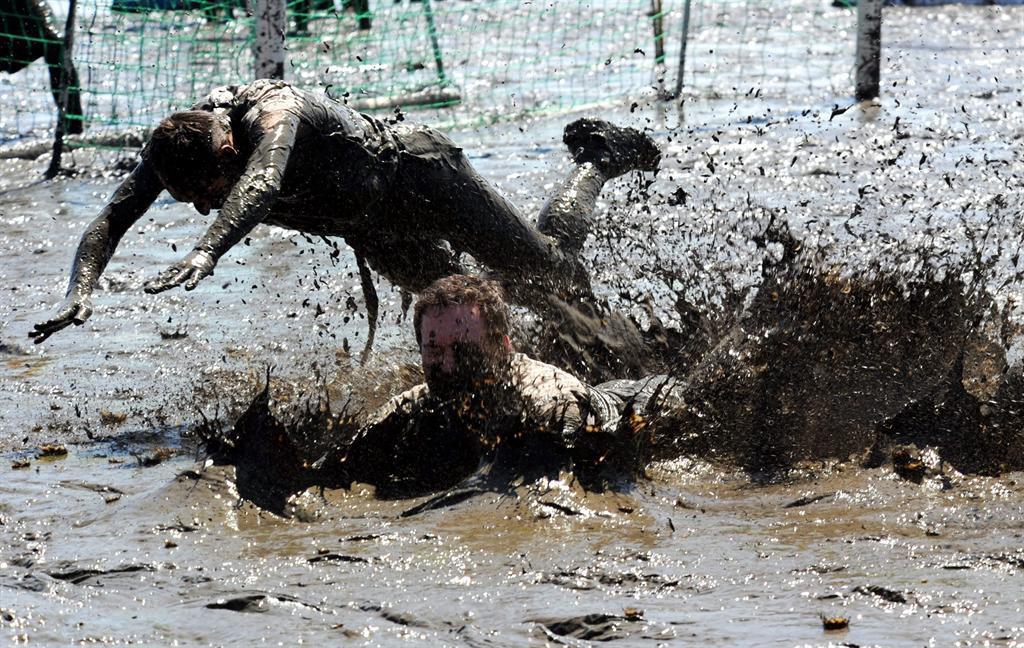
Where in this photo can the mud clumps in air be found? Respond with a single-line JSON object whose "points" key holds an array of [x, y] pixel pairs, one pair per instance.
{"points": [[815, 364], [824, 366], [273, 453]]}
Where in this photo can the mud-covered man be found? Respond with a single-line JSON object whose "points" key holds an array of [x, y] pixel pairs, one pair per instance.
{"points": [[481, 398], [404, 197]]}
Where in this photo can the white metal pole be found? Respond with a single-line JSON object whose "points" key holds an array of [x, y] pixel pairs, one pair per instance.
{"points": [[268, 46], [869, 48]]}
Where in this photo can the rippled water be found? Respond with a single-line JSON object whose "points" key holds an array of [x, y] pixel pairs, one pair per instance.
{"points": [[115, 552], [707, 559]]}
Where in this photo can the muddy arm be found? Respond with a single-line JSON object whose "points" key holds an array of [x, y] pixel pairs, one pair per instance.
{"points": [[370, 454], [129, 202], [247, 205]]}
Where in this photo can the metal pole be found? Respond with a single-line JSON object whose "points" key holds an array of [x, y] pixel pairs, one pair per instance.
{"points": [[65, 76], [869, 49], [428, 11], [682, 48], [268, 46], [657, 18], [658, 23], [362, 9]]}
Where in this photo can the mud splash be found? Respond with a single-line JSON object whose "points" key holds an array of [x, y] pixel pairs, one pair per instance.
{"points": [[823, 366], [873, 369]]}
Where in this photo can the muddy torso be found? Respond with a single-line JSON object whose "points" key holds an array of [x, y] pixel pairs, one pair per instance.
{"points": [[341, 161]]}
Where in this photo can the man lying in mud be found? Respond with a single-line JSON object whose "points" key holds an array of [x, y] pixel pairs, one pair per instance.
{"points": [[484, 402], [403, 196]]}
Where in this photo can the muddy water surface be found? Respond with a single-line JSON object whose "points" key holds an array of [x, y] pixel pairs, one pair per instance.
{"points": [[103, 552]]}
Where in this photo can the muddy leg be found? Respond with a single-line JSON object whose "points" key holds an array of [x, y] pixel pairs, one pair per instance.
{"points": [[601, 151], [566, 215], [441, 195], [466, 210], [583, 332]]}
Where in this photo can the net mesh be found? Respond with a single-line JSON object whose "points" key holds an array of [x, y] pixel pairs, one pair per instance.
{"points": [[465, 62], [769, 49]]}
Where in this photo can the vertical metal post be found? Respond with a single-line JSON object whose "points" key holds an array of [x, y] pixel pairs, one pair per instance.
{"points": [[869, 49], [268, 46], [682, 48], [362, 9], [65, 78], [658, 24], [428, 11]]}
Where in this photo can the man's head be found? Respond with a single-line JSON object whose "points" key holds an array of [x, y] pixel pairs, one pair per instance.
{"points": [[194, 155], [462, 327]]}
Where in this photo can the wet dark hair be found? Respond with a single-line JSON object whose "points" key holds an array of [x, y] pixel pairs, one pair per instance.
{"points": [[466, 290], [181, 148]]}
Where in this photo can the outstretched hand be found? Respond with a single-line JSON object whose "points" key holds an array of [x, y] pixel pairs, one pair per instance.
{"points": [[75, 310], [188, 271]]}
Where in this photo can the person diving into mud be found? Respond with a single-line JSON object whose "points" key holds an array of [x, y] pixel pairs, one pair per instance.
{"points": [[789, 384], [404, 197], [483, 403]]}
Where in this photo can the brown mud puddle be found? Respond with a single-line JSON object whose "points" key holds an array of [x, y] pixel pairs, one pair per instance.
{"points": [[692, 553]]}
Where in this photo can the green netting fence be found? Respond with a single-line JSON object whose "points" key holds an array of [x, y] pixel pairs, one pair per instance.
{"points": [[463, 62]]}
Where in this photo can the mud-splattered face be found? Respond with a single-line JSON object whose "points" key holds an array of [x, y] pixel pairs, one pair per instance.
{"points": [[204, 196], [207, 184], [457, 352]]}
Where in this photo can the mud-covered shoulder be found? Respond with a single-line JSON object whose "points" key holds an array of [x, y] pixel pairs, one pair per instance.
{"points": [[551, 392], [402, 404]]}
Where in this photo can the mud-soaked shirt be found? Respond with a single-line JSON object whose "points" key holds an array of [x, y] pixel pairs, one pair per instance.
{"points": [[547, 399]]}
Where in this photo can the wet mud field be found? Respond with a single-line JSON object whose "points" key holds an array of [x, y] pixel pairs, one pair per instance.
{"points": [[837, 287]]}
